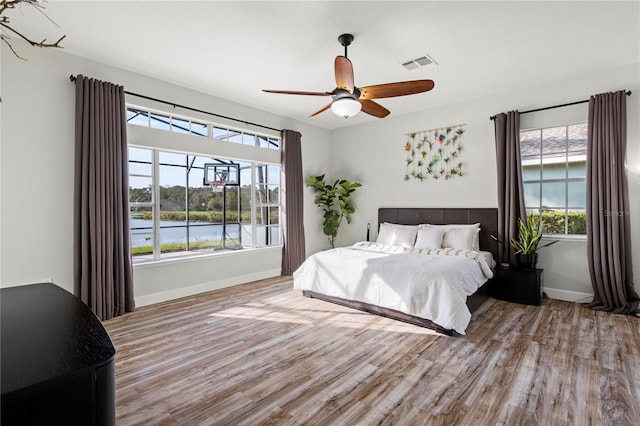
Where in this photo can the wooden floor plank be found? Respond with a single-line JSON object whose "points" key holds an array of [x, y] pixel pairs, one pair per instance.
{"points": [[261, 353]]}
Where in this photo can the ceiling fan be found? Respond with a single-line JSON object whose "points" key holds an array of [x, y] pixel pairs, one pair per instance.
{"points": [[348, 99]]}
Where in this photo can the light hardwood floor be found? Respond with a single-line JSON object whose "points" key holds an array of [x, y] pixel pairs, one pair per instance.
{"points": [[261, 353]]}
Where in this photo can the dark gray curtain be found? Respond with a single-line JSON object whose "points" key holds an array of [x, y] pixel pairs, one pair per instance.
{"points": [[608, 227], [510, 190], [292, 185], [102, 256]]}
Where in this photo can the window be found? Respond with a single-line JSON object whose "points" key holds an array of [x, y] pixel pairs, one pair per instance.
{"points": [[141, 206], [176, 211], [169, 123], [554, 164], [166, 122], [267, 202], [245, 138]]}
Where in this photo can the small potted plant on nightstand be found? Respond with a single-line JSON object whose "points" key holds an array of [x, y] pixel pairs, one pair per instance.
{"points": [[526, 245]]}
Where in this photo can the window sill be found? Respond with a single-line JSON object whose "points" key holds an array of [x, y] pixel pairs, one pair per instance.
{"points": [[559, 237], [202, 256]]}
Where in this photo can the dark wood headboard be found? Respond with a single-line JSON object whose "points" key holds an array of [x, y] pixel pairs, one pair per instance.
{"points": [[487, 217]]}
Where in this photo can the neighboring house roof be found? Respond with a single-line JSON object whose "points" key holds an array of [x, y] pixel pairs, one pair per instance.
{"points": [[556, 141]]}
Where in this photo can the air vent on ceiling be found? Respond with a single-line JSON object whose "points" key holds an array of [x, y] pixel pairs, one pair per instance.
{"points": [[420, 62]]}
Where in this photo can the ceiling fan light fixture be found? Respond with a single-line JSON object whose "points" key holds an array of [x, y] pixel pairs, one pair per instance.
{"points": [[346, 107]]}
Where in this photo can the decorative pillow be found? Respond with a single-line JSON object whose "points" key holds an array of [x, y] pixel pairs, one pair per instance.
{"points": [[429, 238], [462, 238], [397, 235]]}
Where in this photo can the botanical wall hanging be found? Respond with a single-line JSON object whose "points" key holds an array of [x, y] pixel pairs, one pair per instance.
{"points": [[434, 153]]}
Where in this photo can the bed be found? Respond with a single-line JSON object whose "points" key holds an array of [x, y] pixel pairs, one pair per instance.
{"points": [[401, 282]]}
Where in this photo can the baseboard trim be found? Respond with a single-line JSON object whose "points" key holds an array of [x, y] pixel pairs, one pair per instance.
{"points": [[163, 296], [567, 295]]}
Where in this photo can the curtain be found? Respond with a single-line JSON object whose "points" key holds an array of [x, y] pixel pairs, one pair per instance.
{"points": [[608, 223], [103, 276], [510, 190], [292, 185]]}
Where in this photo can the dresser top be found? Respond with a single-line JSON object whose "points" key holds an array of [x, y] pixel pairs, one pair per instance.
{"points": [[47, 333]]}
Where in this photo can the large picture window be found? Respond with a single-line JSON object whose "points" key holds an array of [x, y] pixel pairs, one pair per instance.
{"points": [[185, 204], [554, 162]]}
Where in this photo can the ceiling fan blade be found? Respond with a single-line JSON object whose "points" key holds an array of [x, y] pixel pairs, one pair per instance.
{"points": [[323, 109], [344, 73], [293, 92], [374, 108], [391, 90]]}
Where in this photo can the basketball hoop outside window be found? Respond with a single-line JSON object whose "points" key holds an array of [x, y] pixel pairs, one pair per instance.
{"points": [[219, 175], [217, 185]]}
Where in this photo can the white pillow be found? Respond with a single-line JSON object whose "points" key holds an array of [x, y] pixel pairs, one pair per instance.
{"points": [[429, 238], [397, 235], [462, 238]]}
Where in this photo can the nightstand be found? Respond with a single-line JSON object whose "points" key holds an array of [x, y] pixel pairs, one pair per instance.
{"points": [[517, 285]]}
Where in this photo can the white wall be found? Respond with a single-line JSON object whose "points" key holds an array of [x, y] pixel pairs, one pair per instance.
{"points": [[36, 178], [37, 157], [373, 154]]}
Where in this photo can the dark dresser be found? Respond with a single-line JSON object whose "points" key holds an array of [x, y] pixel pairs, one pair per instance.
{"points": [[58, 362]]}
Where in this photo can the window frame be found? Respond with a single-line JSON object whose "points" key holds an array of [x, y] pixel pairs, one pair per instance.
{"points": [[266, 205], [566, 180], [156, 147]]}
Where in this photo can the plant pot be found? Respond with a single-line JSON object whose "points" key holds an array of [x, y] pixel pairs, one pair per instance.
{"points": [[527, 260]]}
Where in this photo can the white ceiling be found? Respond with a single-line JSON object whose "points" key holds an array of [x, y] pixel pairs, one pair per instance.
{"points": [[233, 49]]}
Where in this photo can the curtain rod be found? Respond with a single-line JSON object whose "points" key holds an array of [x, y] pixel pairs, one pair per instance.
{"points": [[173, 104], [493, 117]]}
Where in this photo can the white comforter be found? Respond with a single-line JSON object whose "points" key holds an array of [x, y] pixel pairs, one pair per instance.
{"points": [[431, 284]]}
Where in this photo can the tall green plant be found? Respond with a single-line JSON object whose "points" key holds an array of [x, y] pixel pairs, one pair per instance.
{"points": [[335, 202]]}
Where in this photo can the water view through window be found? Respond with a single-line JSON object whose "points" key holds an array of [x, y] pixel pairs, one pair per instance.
{"points": [[186, 215], [183, 204]]}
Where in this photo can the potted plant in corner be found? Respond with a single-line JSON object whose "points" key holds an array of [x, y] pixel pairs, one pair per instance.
{"points": [[335, 201], [526, 245]]}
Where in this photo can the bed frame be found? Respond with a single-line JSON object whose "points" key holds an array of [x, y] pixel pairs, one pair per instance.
{"points": [[488, 219]]}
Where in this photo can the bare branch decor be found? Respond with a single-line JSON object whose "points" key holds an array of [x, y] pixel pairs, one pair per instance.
{"points": [[8, 31]]}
